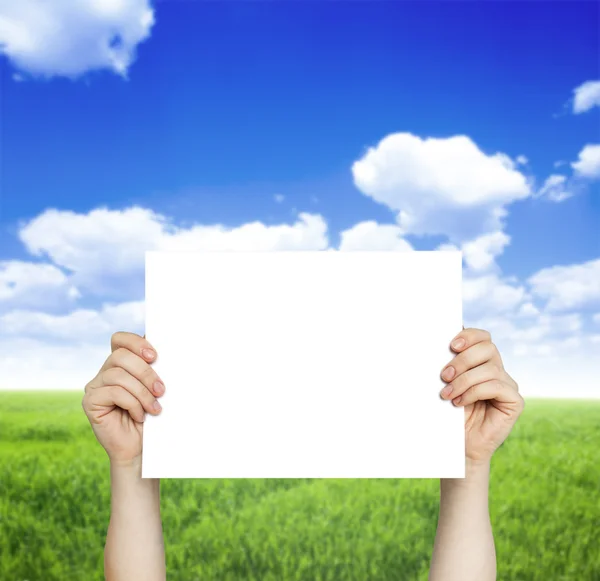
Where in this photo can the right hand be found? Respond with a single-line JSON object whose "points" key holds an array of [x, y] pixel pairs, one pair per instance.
{"points": [[117, 399]]}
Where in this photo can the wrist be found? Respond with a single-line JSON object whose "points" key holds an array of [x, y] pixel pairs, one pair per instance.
{"points": [[477, 475], [129, 472], [475, 467], [131, 464]]}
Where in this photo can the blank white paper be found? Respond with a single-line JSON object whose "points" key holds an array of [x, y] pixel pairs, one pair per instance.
{"points": [[303, 364]]}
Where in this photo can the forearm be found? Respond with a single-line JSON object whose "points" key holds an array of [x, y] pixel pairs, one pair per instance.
{"points": [[134, 544], [464, 543]]}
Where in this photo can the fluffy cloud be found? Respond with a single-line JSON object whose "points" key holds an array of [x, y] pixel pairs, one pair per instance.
{"points": [[479, 254], [558, 187], [568, 287], [308, 233], [370, 235], [555, 188], [588, 164], [80, 326], [549, 354], [41, 364], [490, 294], [587, 96], [70, 38], [104, 249], [31, 284], [440, 185], [104, 252]]}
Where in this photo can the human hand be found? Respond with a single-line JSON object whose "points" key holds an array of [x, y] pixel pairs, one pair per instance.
{"points": [[117, 399], [478, 382]]}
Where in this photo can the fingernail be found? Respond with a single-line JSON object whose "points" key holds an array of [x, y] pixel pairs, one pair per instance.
{"points": [[148, 353], [157, 407], [446, 391], [448, 373], [458, 343], [159, 387], [457, 400]]}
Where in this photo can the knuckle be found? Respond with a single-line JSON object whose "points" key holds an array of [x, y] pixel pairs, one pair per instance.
{"points": [[119, 354], [487, 345], [116, 339], [495, 352], [459, 384], [470, 359], [147, 398], [148, 376], [112, 376], [460, 362]]}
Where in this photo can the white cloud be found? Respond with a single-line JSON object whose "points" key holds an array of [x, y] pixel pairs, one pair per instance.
{"points": [[34, 284], [308, 233], [596, 318], [587, 96], [69, 38], [528, 310], [549, 355], [104, 248], [555, 188], [490, 294], [279, 198], [568, 287], [522, 160], [440, 185], [479, 254], [41, 364], [588, 163], [446, 247], [79, 326], [370, 235]]}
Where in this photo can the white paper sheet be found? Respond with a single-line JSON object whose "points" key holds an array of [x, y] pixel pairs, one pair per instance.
{"points": [[303, 364]]}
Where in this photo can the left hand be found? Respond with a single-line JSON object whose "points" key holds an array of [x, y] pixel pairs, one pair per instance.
{"points": [[477, 380]]}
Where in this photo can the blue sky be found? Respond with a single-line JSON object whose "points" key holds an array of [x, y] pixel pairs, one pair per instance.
{"points": [[228, 104]]}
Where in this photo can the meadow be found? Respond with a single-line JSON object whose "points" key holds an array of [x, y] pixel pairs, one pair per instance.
{"points": [[55, 498]]}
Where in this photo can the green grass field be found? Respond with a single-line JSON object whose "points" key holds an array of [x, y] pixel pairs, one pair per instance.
{"points": [[54, 508]]}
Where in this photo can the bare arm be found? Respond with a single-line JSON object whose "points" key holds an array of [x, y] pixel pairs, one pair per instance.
{"points": [[464, 544], [476, 381], [134, 548], [116, 402]]}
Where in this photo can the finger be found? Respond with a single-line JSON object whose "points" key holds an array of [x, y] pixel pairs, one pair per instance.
{"points": [[472, 357], [110, 396], [494, 389], [479, 374], [134, 343], [512, 381], [468, 337], [136, 366], [118, 376]]}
